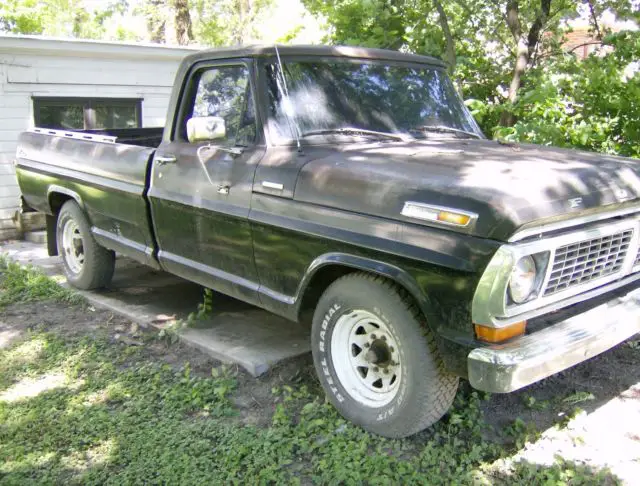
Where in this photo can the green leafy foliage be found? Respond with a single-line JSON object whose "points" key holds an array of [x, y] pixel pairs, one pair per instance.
{"points": [[66, 18], [27, 284], [592, 104]]}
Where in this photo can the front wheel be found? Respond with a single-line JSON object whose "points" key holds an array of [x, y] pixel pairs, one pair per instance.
{"points": [[87, 265], [376, 358]]}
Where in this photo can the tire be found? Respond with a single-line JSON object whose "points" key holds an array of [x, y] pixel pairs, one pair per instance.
{"points": [[87, 265], [399, 386]]}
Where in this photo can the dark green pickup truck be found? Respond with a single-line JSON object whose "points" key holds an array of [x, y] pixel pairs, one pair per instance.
{"points": [[353, 182]]}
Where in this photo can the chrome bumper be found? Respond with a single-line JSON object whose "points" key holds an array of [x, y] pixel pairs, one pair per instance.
{"points": [[508, 367]]}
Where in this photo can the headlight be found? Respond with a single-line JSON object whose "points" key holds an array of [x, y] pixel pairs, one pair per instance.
{"points": [[523, 280]]}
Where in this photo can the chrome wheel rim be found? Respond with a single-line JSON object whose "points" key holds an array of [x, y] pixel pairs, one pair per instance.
{"points": [[73, 246], [365, 358]]}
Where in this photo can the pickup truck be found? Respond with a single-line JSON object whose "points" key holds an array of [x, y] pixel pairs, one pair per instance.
{"points": [[355, 184]]}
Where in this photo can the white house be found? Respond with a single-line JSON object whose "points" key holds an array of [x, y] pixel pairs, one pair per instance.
{"points": [[76, 84]]}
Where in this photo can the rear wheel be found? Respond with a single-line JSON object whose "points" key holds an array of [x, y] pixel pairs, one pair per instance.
{"points": [[87, 265], [376, 358]]}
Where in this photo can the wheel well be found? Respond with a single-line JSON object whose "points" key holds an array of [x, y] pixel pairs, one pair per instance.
{"points": [[319, 283], [56, 200], [329, 274]]}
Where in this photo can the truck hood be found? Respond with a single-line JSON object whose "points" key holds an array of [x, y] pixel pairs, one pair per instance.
{"points": [[507, 186]]}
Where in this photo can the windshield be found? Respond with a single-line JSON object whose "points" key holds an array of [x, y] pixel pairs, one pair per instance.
{"points": [[328, 95]]}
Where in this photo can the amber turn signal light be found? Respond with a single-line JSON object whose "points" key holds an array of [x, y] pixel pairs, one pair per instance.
{"points": [[498, 335], [454, 218]]}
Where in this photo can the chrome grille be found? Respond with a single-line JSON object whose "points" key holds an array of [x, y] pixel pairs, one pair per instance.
{"points": [[588, 260]]}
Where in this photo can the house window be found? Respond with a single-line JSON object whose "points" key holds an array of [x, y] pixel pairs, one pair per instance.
{"points": [[87, 113]]}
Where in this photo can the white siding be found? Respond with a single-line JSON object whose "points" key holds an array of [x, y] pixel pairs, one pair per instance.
{"points": [[73, 72]]}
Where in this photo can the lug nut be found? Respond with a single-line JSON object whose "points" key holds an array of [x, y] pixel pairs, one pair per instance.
{"points": [[366, 345], [386, 371], [384, 338], [373, 336], [376, 369]]}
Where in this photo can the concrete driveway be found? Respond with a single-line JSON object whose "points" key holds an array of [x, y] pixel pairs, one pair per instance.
{"points": [[236, 332]]}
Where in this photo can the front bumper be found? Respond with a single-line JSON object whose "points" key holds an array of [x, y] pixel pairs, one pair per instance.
{"points": [[508, 367]]}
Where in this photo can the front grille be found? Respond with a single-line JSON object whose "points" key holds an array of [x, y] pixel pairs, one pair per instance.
{"points": [[637, 262], [581, 262]]}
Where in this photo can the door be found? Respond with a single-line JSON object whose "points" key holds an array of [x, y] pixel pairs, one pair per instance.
{"points": [[200, 191]]}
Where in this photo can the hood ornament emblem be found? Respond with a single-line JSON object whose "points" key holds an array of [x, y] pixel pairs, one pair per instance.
{"points": [[575, 203]]}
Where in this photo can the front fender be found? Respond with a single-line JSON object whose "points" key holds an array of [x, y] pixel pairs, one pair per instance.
{"points": [[392, 272]]}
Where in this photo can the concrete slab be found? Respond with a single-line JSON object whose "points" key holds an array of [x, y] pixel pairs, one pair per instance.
{"points": [[236, 332]]}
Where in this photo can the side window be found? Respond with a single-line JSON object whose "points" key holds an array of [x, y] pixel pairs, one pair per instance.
{"points": [[225, 92]]}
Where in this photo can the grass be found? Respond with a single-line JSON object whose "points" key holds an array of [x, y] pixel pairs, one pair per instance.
{"points": [[28, 284], [77, 409]]}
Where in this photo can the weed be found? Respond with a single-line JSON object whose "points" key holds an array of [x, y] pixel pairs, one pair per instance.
{"points": [[578, 397], [171, 332], [204, 308], [634, 344], [533, 404]]}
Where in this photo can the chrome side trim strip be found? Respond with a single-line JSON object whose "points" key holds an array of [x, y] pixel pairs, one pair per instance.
{"points": [[580, 220], [75, 135]]}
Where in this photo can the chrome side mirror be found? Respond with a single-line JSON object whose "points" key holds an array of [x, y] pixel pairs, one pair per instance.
{"points": [[206, 129]]}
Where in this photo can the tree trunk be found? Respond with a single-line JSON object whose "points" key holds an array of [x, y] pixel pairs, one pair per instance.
{"points": [[526, 46], [446, 31], [184, 32]]}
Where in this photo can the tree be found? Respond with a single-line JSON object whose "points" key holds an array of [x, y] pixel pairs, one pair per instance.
{"points": [[64, 18], [526, 42], [229, 22], [156, 17], [184, 31]]}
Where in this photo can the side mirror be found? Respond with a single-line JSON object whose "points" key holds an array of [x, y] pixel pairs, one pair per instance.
{"points": [[206, 129]]}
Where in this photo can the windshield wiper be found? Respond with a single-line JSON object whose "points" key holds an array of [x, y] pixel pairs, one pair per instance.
{"points": [[355, 132], [445, 129]]}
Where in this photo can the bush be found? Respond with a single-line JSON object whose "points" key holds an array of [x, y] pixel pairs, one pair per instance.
{"points": [[592, 104]]}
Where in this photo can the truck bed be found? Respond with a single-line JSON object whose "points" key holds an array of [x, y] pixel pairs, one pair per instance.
{"points": [[144, 137], [107, 170]]}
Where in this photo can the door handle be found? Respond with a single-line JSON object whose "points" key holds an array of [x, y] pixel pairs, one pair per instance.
{"points": [[166, 159], [234, 151], [223, 189]]}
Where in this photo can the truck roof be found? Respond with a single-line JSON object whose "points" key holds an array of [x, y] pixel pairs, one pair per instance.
{"points": [[311, 50]]}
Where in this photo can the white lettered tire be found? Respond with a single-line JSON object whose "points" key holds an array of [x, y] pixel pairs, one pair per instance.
{"points": [[87, 265], [376, 358]]}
